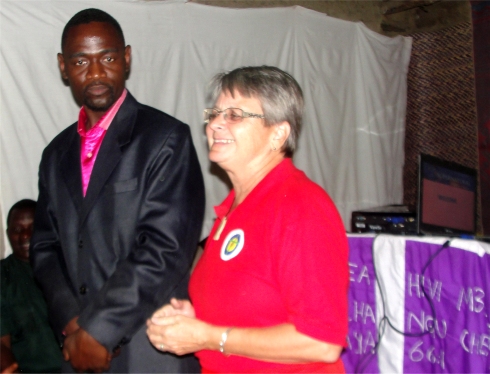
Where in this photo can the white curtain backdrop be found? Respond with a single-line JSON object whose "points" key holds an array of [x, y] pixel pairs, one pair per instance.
{"points": [[354, 82]]}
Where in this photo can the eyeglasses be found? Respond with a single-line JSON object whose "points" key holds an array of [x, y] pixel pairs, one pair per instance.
{"points": [[231, 115]]}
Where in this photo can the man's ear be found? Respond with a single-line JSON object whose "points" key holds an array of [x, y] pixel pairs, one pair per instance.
{"points": [[61, 65], [127, 57]]}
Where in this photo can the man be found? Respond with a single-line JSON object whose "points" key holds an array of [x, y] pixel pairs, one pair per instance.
{"points": [[121, 201], [27, 341]]}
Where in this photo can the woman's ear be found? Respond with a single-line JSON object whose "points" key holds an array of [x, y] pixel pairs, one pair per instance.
{"points": [[281, 134]]}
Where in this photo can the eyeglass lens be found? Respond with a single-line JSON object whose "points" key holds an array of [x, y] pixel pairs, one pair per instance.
{"points": [[231, 115]]}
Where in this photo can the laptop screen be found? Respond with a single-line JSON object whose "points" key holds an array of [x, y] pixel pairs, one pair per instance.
{"points": [[446, 197]]}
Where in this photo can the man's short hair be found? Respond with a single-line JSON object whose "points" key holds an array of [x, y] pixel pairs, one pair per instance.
{"points": [[22, 204], [87, 16]]}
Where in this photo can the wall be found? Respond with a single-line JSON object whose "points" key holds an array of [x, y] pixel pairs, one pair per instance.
{"points": [[407, 19], [423, 20]]}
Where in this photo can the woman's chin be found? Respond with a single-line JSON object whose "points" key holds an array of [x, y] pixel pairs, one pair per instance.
{"points": [[216, 156]]}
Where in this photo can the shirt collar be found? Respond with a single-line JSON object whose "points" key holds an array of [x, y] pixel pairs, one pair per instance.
{"points": [[105, 121], [279, 173]]}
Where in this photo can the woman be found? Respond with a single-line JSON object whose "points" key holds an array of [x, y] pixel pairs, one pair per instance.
{"points": [[269, 293]]}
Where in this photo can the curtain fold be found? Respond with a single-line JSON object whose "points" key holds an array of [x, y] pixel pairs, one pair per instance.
{"points": [[354, 82]]}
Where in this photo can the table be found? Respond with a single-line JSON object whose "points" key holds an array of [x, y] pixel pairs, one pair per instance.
{"points": [[418, 305]]}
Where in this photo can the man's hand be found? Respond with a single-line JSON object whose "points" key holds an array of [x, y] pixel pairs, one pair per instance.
{"points": [[71, 326], [85, 353], [7, 359], [14, 368]]}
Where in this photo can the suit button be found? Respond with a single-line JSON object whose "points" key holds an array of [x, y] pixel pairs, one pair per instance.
{"points": [[83, 290], [80, 243]]}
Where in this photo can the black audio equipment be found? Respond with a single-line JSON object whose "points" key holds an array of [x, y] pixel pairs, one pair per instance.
{"points": [[392, 219]]}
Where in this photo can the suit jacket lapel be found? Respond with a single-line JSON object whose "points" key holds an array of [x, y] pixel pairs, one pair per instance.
{"points": [[71, 170], [110, 153]]}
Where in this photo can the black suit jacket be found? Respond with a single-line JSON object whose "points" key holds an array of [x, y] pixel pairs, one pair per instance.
{"points": [[116, 255]]}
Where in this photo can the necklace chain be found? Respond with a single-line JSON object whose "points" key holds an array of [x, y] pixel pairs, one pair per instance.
{"points": [[222, 225]]}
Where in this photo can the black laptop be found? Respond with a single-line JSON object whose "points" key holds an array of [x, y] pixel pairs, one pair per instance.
{"points": [[447, 198]]}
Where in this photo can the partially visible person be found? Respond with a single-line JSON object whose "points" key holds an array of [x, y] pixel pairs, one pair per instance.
{"points": [[27, 342], [269, 293]]}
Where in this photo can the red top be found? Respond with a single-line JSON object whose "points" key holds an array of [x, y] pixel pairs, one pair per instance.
{"points": [[281, 258]]}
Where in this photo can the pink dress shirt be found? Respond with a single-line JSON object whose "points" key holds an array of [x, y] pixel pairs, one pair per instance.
{"points": [[92, 139]]}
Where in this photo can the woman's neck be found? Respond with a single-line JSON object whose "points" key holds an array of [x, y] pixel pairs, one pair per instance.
{"points": [[244, 181]]}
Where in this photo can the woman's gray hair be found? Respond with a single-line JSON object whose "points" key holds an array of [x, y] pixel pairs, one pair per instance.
{"points": [[279, 94]]}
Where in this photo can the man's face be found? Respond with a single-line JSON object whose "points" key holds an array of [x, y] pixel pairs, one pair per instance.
{"points": [[95, 63], [19, 232]]}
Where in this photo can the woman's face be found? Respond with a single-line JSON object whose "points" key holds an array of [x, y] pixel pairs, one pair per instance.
{"points": [[246, 144]]}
